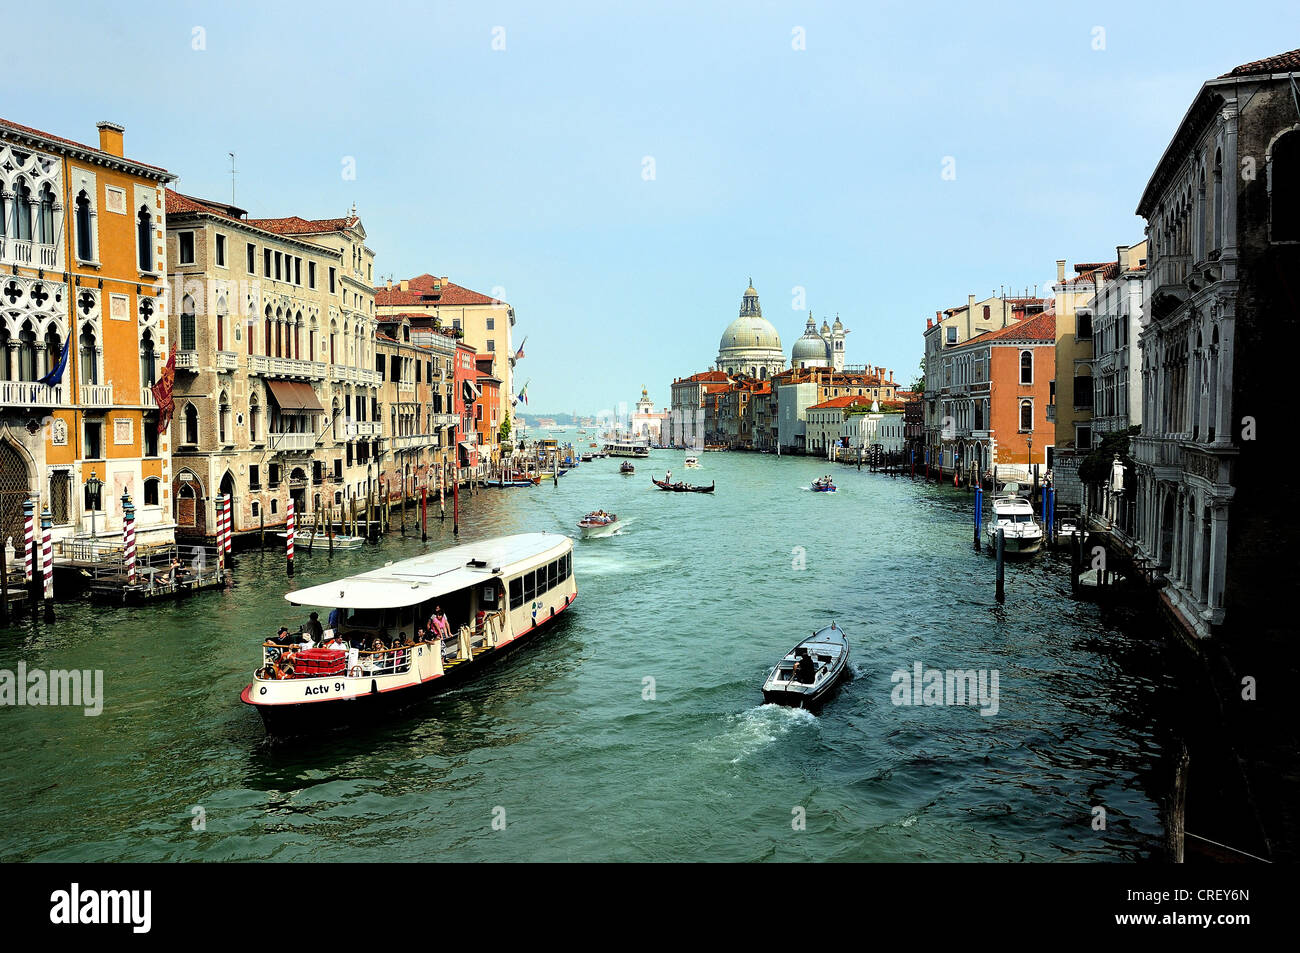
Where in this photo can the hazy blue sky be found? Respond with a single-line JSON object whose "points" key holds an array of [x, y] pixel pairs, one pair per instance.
{"points": [[523, 168]]}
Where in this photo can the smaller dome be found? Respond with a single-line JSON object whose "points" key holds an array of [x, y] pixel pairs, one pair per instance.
{"points": [[826, 328], [837, 326]]}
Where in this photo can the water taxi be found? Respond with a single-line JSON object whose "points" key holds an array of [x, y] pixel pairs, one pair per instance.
{"points": [[496, 594], [626, 467], [341, 540], [692, 463], [598, 524], [823, 485], [810, 670], [627, 448], [1014, 515]]}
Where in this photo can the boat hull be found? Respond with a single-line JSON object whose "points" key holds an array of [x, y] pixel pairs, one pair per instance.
{"points": [[798, 695], [1016, 545], [315, 717]]}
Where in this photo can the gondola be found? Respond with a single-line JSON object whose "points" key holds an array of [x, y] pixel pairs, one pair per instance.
{"points": [[682, 487], [809, 672], [627, 467]]}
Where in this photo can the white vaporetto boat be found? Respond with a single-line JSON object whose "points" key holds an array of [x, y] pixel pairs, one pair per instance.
{"points": [[496, 594], [809, 671], [692, 463], [1014, 515]]}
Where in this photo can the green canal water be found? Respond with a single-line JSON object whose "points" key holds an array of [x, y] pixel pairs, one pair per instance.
{"points": [[699, 593]]}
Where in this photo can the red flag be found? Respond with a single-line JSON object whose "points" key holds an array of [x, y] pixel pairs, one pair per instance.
{"points": [[162, 392]]}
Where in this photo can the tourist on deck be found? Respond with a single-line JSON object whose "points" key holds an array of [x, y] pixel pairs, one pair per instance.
{"points": [[314, 628], [284, 638], [441, 627], [336, 619]]}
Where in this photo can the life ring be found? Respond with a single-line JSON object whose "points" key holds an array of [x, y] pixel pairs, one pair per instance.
{"points": [[355, 672]]}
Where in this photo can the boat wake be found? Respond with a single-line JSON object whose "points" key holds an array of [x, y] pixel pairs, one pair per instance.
{"points": [[755, 729]]}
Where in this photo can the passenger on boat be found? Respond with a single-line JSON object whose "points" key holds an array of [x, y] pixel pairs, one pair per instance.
{"points": [[284, 638], [805, 670], [439, 624], [336, 619], [314, 628]]}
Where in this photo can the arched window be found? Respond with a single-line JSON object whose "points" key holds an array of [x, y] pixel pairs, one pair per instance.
{"points": [[144, 238], [1284, 188], [27, 352], [1026, 367], [151, 491], [189, 332], [148, 359], [1218, 200], [1026, 416], [221, 322], [45, 217], [22, 211], [85, 247], [223, 419], [267, 325], [254, 419], [191, 424], [87, 351]]}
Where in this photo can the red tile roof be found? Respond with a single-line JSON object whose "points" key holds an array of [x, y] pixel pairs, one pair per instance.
{"points": [[422, 291], [76, 145], [1041, 327], [848, 400], [705, 377], [294, 225], [1281, 63]]}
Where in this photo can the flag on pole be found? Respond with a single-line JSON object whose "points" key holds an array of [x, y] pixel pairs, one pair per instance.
{"points": [[162, 392], [520, 353], [55, 376], [523, 394]]}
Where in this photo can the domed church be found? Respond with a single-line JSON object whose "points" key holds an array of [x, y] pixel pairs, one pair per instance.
{"points": [[750, 346], [824, 348]]}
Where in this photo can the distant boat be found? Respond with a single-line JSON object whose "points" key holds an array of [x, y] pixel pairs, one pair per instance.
{"points": [[599, 523], [510, 482], [692, 463], [1014, 516], [810, 671], [824, 485], [322, 539], [683, 487], [626, 467]]}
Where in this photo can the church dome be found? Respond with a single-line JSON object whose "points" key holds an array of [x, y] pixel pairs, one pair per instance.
{"points": [[810, 350], [748, 332], [750, 345]]}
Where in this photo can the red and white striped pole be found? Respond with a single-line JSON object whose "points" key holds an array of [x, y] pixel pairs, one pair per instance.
{"points": [[288, 542], [29, 538], [47, 561], [220, 506], [128, 537], [230, 527]]}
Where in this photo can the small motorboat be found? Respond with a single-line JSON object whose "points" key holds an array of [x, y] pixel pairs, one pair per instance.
{"points": [[599, 523], [341, 541], [823, 485], [511, 481], [587, 458], [1022, 535], [626, 467], [810, 670], [692, 463], [680, 487]]}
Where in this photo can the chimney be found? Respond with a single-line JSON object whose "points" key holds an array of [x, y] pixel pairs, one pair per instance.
{"points": [[970, 317], [1060, 270], [388, 285], [110, 138], [1121, 256], [405, 285]]}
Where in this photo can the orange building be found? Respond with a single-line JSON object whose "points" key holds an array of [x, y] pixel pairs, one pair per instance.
{"points": [[85, 308], [996, 411]]}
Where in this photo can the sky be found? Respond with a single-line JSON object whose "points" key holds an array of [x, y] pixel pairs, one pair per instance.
{"points": [[623, 170]]}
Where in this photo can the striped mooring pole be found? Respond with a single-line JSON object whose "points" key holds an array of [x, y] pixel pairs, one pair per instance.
{"points": [[288, 542], [128, 537], [229, 548], [47, 562], [221, 531], [29, 538]]}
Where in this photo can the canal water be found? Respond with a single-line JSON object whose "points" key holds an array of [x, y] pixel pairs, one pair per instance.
{"points": [[635, 729]]}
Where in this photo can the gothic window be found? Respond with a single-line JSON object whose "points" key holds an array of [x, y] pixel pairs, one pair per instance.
{"points": [[223, 419], [267, 326], [221, 322], [22, 211], [144, 238], [254, 419], [1218, 200], [85, 247], [148, 359], [89, 364], [188, 330], [27, 353], [45, 217], [191, 424], [1284, 188]]}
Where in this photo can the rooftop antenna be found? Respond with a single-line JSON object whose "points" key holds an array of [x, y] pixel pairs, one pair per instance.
{"points": [[233, 173]]}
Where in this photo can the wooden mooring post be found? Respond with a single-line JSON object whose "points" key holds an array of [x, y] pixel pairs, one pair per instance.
{"points": [[1001, 586], [1176, 810]]}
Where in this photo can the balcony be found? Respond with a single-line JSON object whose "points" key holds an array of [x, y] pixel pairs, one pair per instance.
{"points": [[28, 253], [406, 387], [442, 421], [353, 375], [227, 360], [147, 398], [1159, 451], [363, 429], [291, 442], [285, 367], [414, 441], [30, 394], [187, 360], [97, 395]]}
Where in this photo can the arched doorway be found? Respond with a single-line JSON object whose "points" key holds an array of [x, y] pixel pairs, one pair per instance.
{"points": [[298, 490], [1167, 530], [187, 493], [15, 487]]}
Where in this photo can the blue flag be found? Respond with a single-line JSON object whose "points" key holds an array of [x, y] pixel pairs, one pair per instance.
{"points": [[55, 376]]}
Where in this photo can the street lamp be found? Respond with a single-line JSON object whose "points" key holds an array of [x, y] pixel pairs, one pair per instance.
{"points": [[93, 486]]}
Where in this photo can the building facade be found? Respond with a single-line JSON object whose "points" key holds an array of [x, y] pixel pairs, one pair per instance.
{"points": [[1223, 230], [83, 304], [750, 346]]}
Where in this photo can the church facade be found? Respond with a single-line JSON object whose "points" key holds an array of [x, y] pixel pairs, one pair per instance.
{"points": [[751, 346]]}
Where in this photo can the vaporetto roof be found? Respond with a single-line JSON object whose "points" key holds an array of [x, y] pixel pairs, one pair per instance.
{"points": [[421, 578]]}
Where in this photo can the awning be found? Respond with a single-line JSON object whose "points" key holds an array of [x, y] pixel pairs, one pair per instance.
{"points": [[471, 391], [294, 395]]}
